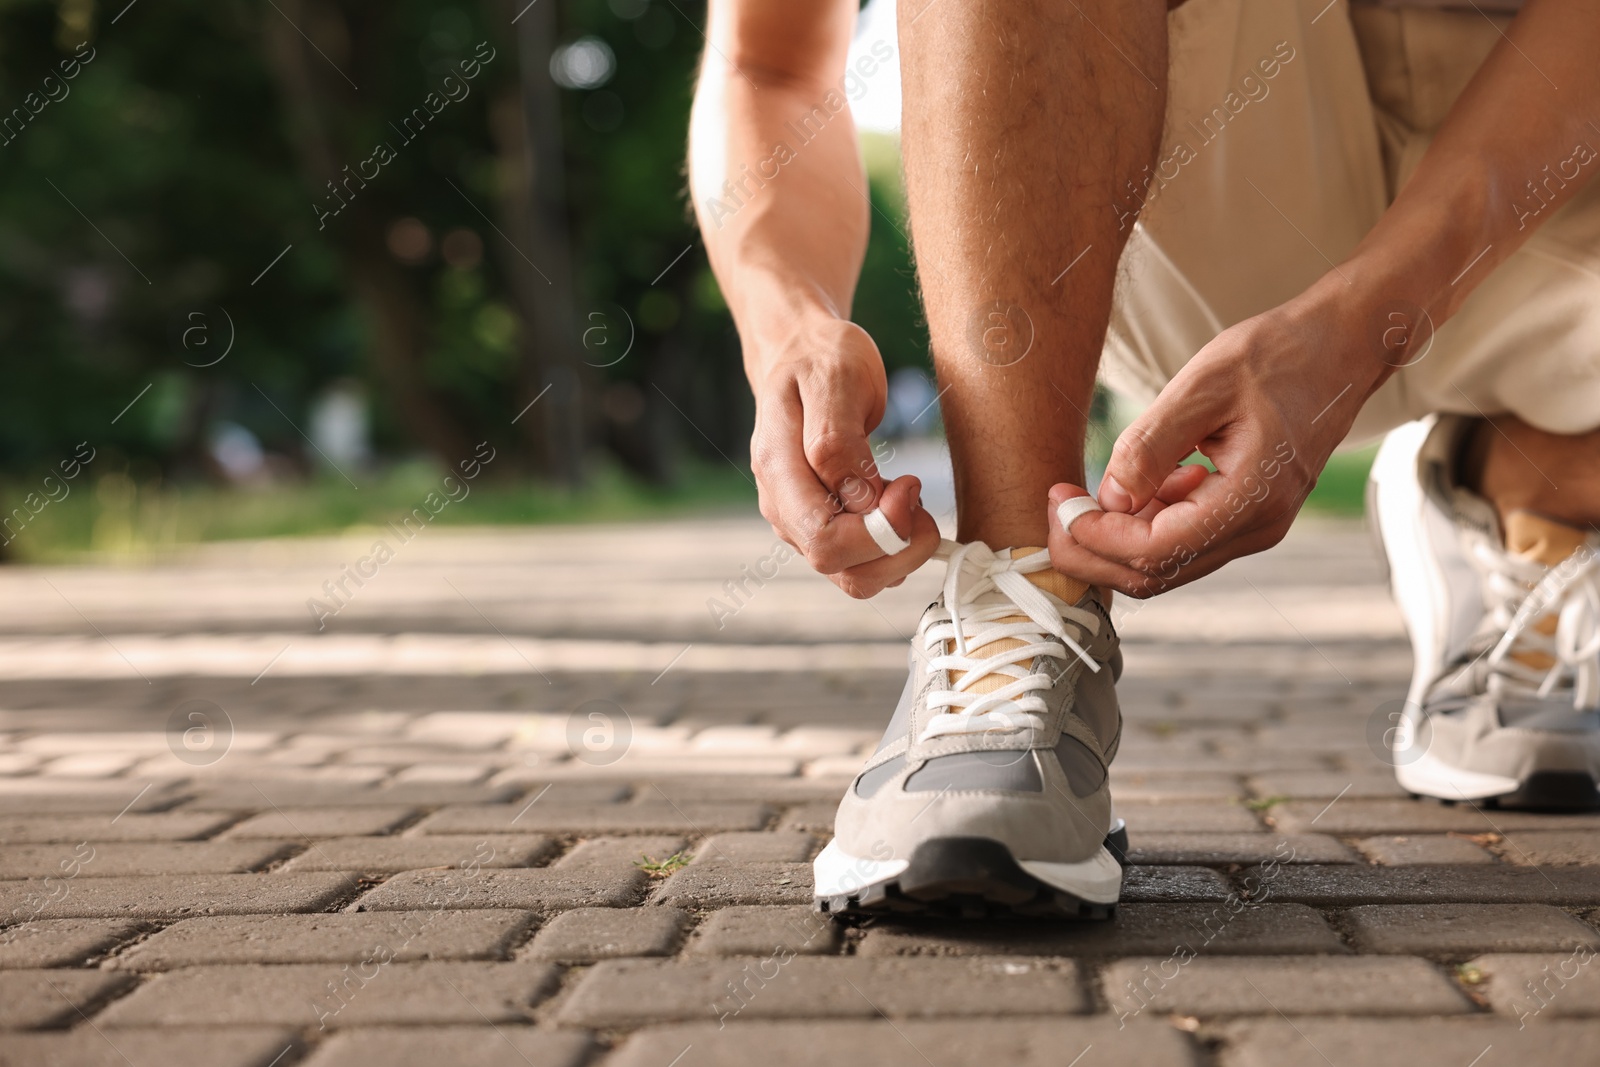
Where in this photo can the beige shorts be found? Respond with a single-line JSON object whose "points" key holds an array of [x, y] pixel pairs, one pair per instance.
{"points": [[1290, 125]]}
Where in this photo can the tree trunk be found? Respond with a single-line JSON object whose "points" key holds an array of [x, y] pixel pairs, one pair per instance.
{"points": [[319, 103], [533, 204]]}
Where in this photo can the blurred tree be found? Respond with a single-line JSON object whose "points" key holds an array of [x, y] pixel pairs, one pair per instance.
{"points": [[229, 207]]}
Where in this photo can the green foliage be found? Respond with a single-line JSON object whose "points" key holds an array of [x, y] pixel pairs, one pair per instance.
{"points": [[114, 517]]}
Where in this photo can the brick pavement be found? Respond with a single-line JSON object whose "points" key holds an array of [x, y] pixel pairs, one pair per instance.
{"points": [[523, 823]]}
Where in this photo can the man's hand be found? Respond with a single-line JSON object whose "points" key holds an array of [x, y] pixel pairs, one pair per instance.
{"points": [[1266, 402], [814, 465]]}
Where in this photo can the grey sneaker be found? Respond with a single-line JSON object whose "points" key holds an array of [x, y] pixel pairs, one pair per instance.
{"points": [[989, 790], [1504, 705]]}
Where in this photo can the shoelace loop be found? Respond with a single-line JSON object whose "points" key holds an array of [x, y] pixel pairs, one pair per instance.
{"points": [[975, 570], [1570, 590]]}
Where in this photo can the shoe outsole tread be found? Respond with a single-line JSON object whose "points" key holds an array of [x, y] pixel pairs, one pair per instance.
{"points": [[1542, 791], [972, 878]]}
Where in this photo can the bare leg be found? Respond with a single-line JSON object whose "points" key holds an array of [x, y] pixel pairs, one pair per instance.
{"points": [[1025, 122], [1516, 465]]}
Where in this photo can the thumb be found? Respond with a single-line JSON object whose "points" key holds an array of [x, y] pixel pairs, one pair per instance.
{"points": [[1146, 453]]}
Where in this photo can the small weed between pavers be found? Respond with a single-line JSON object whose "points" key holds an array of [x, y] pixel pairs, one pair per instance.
{"points": [[1266, 803], [1470, 974], [661, 868]]}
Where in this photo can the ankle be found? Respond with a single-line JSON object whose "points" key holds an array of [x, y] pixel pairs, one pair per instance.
{"points": [[1517, 467]]}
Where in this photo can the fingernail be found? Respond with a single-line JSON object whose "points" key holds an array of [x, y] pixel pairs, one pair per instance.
{"points": [[1113, 497]]}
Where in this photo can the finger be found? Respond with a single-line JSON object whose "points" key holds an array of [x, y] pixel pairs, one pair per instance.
{"points": [[1185, 479], [1076, 561], [1215, 514], [870, 578], [1147, 451], [799, 506], [841, 455], [1179, 484]]}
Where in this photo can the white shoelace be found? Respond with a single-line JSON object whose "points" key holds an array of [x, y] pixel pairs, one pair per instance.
{"points": [[1525, 592], [976, 571]]}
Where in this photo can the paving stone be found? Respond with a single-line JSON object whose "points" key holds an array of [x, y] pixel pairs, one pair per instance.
{"points": [[119, 858], [544, 890], [600, 819], [1465, 929], [390, 855], [911, 1043], [276, 774], [715, 885], [779, 846], [1418, 849], [1351, 884], [341, 937], [621, 851], [810, 818], [1553, 848], [1325, 785], [746, 788], [1219, 849], [1356, 816], [162, 826], [243, 1046], [766, 930], [1448, 1042], [618, 993], [299, 995], [1154, 885], [322, 822], [1148, 785], [46, 796], [1544, 986], [248, 796], [479, 1046], [1147, 817], [433, 773], [471, 729], [1135, 929], [1314, 985], [641, 764], [585, 935], [179, 896], [63, 942], [33, 1000]]}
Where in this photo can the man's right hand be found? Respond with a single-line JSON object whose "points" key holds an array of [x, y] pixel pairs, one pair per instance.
{"points": [[815, 404]]}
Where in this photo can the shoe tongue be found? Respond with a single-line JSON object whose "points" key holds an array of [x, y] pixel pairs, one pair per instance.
{"points": [[1531, 536], [1054, 582]]}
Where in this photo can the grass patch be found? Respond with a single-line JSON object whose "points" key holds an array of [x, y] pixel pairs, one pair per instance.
{"points": [[117, 517], [1342, 489], [662, 868]]}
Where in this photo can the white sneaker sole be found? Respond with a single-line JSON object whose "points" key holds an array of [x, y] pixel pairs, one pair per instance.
{"points": [[964, 874]]}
